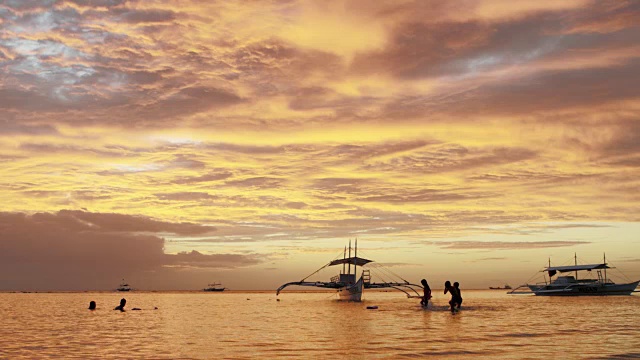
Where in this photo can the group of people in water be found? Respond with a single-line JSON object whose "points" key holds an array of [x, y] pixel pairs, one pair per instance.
{"points": [[454, 303], [454, 290], [123, 302]]}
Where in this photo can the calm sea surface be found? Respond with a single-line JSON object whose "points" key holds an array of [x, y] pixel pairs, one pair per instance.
{"points": [[237, 325]]}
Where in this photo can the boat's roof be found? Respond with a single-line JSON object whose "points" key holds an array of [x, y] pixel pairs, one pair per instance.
{"points": [[351, 260], [570, 268]]}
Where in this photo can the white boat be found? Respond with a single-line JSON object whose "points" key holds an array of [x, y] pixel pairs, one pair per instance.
{"points": [[124, 286], [345, 283], [214, 287], [572, 285]]}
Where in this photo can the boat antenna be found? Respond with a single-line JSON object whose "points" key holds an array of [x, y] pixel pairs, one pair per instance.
{"points": [[575, 262]]}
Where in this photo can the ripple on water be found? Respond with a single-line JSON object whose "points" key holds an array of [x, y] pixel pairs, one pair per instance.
{"points": [[308, 325]]}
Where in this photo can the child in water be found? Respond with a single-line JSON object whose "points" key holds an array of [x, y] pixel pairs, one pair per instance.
{"points": [[456, 285], [427, 293], [454, 295]]}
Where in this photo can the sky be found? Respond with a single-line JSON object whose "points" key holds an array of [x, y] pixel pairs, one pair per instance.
{"points": [[177, 143]]}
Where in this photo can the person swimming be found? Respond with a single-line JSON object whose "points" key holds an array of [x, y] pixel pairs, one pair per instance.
{"points": [[123, 301], [454, 295], [456, 285], [92, 305], [427, 293]]}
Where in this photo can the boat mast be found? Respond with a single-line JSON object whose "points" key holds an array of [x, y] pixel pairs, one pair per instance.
{"points": [[549, 272], [344, 256], [605, 267], [575, 262], [355, 262], [349, 268]]}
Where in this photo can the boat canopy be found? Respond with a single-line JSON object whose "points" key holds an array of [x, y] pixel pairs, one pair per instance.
{"points": [[351, 260], [571, 268]]}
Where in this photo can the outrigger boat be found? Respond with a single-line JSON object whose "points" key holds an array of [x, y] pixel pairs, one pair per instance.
{"points": [[568, 285], [345, 283]]}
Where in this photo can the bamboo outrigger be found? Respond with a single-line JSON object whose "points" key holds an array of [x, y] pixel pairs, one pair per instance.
{"points": [[345, 283], [568, 285]]}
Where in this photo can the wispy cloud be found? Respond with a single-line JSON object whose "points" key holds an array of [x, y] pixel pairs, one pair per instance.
{"points": [[505, 245]]}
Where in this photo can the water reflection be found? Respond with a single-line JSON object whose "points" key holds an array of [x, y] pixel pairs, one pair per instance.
{"points": [[307, 325]]}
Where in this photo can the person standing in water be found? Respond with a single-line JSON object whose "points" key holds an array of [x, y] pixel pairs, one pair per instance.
{"points": [[427, 293], [454, 295], [456, 285]]}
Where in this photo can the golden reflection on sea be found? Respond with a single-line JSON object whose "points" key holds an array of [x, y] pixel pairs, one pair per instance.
{"points": [[236, 325]]}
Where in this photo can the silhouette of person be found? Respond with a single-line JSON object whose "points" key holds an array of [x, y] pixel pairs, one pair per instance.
{"points": [[123, 302], [456, 285], [454, 295], [92, 305], [427, 293]]}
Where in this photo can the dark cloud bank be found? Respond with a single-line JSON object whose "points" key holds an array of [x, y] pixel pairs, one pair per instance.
{"points": [[77, 250]]}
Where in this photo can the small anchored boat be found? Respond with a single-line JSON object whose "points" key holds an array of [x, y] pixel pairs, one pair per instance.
{"points": [[505, 287], [123, 286], [214, 287], [571, 285], [347, 283]]}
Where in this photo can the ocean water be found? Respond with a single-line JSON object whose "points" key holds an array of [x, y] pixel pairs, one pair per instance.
{"points": [[254, 325]]}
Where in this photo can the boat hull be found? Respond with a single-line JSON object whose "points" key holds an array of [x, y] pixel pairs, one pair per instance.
{"points": [[352, 292], [215, 290], [584, 289]]}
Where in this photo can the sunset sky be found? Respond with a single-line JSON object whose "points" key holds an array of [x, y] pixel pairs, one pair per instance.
{"points": [[179, 142]]}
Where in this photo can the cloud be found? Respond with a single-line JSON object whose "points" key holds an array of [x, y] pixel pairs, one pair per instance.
{"points": [[213, 176], [427, 195], [144, 16], [392, 120], [78, 250], [186, 196], [453, 158], [505, 245], [18, 129], [196, 259], [262, 182]]}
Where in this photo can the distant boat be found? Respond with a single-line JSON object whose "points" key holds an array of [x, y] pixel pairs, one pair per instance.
{"points": [[345, 283], [124, 286], [506, 287], [568, 285], [214, 287]]}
